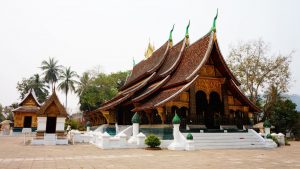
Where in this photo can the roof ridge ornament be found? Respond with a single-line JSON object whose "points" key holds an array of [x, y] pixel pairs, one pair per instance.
{"points": [[170, 36], [133, 62], [187, 33], [213, 28]]}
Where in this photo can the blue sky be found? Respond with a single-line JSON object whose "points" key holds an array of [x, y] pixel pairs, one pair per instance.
{"points": [[85, 34]]}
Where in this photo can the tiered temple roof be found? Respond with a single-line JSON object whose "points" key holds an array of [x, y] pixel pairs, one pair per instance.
{"points": [[52, 106], [170, 71], [29, 103]]}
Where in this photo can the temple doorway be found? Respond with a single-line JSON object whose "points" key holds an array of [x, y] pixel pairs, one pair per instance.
{"points": [[51, 125], [27, 121], [183, 113], [201, 108], [213, 119]]}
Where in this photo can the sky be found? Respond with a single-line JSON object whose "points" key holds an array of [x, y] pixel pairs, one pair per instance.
{"points": [[85, 34]]}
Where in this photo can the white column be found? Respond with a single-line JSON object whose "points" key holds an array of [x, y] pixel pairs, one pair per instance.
{"points": [[60, 123], [41, 123], [135, 132], [176, 144], [141, 140], [267, 131]]}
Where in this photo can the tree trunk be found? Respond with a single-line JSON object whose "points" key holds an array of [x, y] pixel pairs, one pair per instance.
{"points": [[66, 100]]}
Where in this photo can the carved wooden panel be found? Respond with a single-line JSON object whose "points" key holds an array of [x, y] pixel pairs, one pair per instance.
{"points": [[230, 100], [29, 102], [52, 110], [178, 104], [235, 108], [184, 97], [209, 85], [246, 109], [19, 119], [208, 70], [237, 102]]}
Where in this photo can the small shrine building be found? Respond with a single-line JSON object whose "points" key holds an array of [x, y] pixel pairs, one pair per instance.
{"points": [[25, 116], [51, 117]]}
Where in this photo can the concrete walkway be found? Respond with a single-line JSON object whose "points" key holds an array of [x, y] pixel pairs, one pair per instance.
{"points": [[13, 154]]}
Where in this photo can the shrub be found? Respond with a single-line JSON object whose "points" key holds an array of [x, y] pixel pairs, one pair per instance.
{"points": [[189, 137], [75, 124], [286, 142], [267, 123], [152, 141], [275, 140], [269, 136]]}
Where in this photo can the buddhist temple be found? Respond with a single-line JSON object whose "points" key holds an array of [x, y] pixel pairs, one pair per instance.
{"points": [[25, 116], [189, 79], [51, 117]]}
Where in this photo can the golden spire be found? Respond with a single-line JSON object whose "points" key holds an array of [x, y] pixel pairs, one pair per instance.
{"points": [[149, 50]]}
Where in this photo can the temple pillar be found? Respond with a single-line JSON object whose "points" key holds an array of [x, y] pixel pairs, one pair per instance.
{"points": [[109, 116], [192, 99], [161, 114], [225, 101], [149, 116]]}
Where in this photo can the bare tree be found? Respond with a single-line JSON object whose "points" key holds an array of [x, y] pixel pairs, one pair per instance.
{"points": [[257, 69]]}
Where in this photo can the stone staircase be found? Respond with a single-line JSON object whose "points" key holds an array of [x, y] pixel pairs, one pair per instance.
{"points": [[50, 139], [248, 139]]}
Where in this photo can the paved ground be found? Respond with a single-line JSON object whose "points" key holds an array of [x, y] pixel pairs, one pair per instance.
{"points": [[13, 154]]}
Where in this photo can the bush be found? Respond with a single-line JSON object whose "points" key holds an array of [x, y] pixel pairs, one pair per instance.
{"points": [[152, 141], [275, 140], [269, 136], [286, 142], [75, 124]]}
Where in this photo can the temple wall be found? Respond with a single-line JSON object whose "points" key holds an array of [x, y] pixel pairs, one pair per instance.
{"points": [[19, 119]]}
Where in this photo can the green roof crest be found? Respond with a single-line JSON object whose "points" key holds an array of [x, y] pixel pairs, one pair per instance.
{"points": [[171, 32], [213, 28]]}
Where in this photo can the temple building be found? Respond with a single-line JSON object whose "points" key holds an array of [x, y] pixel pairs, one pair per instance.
{"points": [[25, 116], [190, 79], [51, 117]]}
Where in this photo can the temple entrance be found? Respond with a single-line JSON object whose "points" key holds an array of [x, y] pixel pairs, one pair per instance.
{"points": [[51, 125], [183, 113], [201, 108], [213, 120], [27, 121]]}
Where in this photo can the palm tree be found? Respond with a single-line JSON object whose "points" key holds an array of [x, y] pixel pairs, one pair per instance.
{"points": [[83, 83], [39, 87], [51, 71], [68, 82]]}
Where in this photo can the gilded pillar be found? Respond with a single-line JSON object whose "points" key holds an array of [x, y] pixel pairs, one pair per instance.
{"points": [[149, 116], [109, 116], [192, 103], [161, 114]]}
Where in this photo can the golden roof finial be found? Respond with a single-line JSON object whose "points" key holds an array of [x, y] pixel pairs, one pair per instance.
{"points": [[150, 49]]}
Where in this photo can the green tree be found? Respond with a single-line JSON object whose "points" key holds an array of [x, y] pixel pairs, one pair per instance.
{"points": [[51, 71], [99, 89], [119, 78], [37, 84], [284, 116], [68, 82], [252, 63], [271, 97], [83, 83], [8, 111], [1, 115]]}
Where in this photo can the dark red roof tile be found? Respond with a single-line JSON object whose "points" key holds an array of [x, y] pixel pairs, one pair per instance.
{"points": [[191, 62], [148, 66]]}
